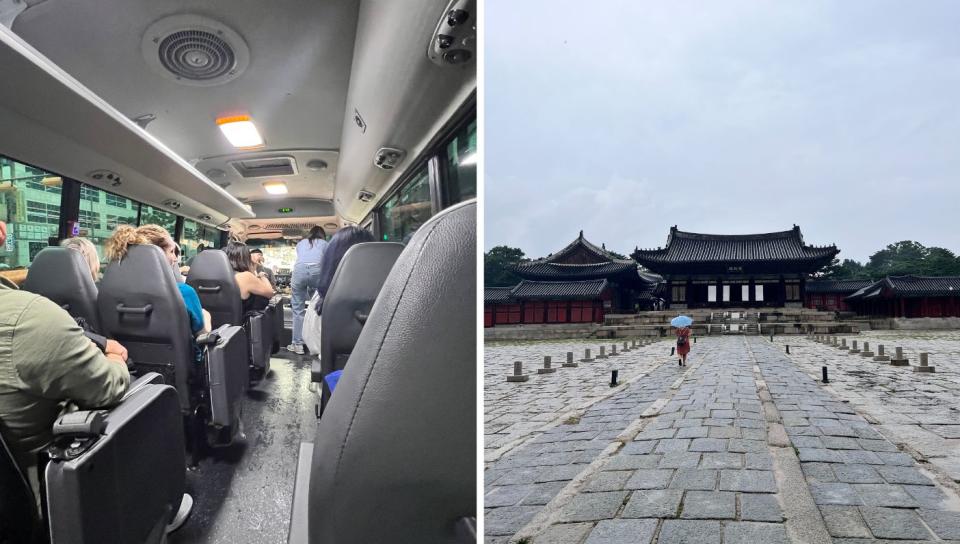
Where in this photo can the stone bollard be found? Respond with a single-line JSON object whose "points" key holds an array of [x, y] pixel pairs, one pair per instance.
{"points": [[899, 359], [788, 349], [834, 343], [625, 348], [518, 375], [633, 344], [843, 344], [603, 354], [854, 349], [570, 362], [547, 369], [880, 356], [694, 339], [613, 350], [924, 367], [866, 350], [823, 370], [586, 356], [673, 350], [613, 378]]}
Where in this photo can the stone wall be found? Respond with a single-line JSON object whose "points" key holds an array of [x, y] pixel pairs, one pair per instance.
{"points": [[917, 323], [540, 332]]}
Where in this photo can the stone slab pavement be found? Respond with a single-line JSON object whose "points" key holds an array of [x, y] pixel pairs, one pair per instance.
{"points": [[516, 412], [745, 448], [919, 411]]}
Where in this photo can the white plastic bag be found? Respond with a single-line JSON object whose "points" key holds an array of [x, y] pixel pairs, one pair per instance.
{"points": [[311, 326]]}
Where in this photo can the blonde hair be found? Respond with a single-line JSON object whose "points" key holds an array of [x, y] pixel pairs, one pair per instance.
{"points": [[87, 250], [127, 235]]}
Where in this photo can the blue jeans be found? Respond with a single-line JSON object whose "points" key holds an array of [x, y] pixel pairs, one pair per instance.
{"points": [[306, 279]]}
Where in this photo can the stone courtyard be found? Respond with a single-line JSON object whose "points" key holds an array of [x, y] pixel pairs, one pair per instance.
{"points": [[743, 445]]}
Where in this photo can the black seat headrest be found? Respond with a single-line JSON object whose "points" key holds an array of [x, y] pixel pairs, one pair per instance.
{"points": [[213, 278], [395, 454], [353, 289], [141, 307], [63, 276]]}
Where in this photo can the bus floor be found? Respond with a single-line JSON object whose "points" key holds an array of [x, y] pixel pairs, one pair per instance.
{"points": [[243, 493]]}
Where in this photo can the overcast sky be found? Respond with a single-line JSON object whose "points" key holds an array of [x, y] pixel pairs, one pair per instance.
{"points": [[624, 118]]}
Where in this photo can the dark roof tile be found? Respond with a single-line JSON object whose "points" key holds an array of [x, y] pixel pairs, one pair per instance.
{"points": [[703, 248]]}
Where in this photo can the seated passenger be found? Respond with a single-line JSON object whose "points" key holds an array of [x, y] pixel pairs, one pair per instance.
{"points": [[46, 360], [257, 256], [343, 240], [89, 252], [255, 288], [126, 235]]}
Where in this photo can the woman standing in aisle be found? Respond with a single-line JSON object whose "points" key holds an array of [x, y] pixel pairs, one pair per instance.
{"points": [[305, 280]]}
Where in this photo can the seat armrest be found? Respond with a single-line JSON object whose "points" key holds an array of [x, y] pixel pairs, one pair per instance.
{"points": [[300, 512]]}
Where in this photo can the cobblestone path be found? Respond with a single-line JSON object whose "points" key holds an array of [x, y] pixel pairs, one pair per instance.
{"points": [[742, 447], [920, 411]]}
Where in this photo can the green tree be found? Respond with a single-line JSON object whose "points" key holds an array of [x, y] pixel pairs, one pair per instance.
{"points": [[901, 258], [941, 262], [498, 264], [849, 269]]}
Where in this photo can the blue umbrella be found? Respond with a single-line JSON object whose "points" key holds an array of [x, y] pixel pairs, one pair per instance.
{"points": [[681, 321]]}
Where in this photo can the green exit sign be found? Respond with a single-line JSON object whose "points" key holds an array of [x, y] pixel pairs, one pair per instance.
{"points": [[285, 210]]}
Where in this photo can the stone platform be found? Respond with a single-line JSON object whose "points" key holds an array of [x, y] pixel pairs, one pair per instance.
{"points": [[742, 445]]}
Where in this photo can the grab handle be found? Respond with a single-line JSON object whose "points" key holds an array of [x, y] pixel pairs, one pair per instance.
{"points": [[208, 289], [144, 310]]}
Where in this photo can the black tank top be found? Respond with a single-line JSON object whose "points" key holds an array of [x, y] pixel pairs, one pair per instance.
{"points": [[255, 303]]}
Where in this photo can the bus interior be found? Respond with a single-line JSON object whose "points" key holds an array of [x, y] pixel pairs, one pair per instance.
{"points": [[250, 121]]}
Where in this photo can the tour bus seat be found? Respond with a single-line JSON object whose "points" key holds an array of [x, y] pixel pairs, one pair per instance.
{"points": [[141, 307], [63, 276], [213, 278], [394, 459], [126, 480], [101, 461], [352, 292]]}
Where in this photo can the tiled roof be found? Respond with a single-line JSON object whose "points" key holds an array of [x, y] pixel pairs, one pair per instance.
{"points": [[544, 270], [580, 243], [558, 289], [836, 286], [496, 294], [705, 248], [912, 286]]}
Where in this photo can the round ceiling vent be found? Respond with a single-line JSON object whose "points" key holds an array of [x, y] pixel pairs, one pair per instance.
{"points": [[195, 50], [331, 226]]}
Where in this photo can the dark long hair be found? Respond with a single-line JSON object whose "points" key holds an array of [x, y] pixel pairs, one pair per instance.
{"points": [[316, 233], [343, 240], [239, 256]]}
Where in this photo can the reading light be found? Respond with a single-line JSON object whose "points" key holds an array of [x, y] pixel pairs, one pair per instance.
{"points": [[275, 187], [240, 131]]}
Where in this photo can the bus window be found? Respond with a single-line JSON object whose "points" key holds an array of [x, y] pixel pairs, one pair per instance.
{"points": [[195, 234], [404, 212], [460, 164], [30, 205], [155, 216], [100, 214]]}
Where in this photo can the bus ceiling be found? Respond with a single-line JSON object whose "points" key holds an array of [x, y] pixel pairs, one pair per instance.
{"points": [[327, 86]]}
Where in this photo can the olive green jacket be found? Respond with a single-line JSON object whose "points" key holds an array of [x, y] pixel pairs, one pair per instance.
{"points": [[46, 360]]}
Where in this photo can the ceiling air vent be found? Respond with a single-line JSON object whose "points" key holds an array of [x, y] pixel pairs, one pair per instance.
{"points": [[194, 50], [106, 176], [265, 167], [454, 40], [172, 204], [365, 196], [388, 158], [204, 217]]}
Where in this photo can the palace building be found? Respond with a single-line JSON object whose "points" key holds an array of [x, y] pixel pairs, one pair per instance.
{"points": [[578, 284], [742, 270], [909, 296]]}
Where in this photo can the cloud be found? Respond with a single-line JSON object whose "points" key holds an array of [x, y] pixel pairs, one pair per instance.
{"points": [[737, 116]]}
